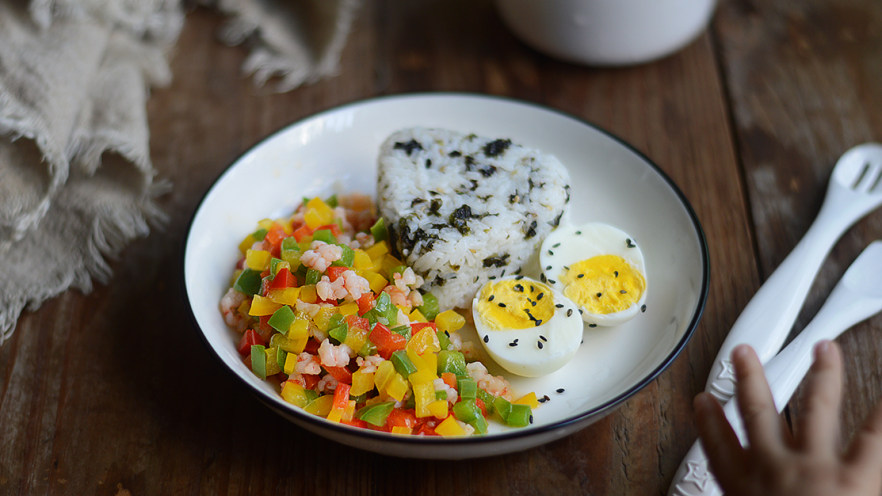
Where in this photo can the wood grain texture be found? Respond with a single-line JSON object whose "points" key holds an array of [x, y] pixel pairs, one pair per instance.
{"points": [[115, 393], [804, 81]]}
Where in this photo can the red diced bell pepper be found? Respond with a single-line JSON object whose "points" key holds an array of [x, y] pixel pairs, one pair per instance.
{"points": [[302, 233], [249, 338], [310, 380], [365, 303], [342, 374], [334, 272], [275, 235], [312, 346], [401, 418], [284, 279], [387, 341], [418, 326], [341, 396]]}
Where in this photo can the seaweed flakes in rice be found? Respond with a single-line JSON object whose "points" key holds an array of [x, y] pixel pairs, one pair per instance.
{"points": [[476, 213]]}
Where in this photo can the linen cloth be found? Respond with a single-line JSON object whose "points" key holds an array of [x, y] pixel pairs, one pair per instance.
{"points": [[76, 180]]}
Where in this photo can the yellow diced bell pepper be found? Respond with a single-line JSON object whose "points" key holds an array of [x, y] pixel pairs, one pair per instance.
{"points": [[299, 329], [335, 415], [375, 280], [322, 317], [383, 374], [423, 376], [265, 224], [438, 408], [396, 387], [308, 294], [285, 296], [349, 411], [294, 393], [350, 308], [290, 363], [246, 244], [427, 361], [318, 213], [401, 429], [261, 306], [361, 260], [417, 316], [423, 394], [528, 399], [356, 337], [258, 259], [244, 308], [449, 427], [272, 365], [377, 250], [320, 406], [389, 262], [362, 382], [424, 340], [449, 320]]}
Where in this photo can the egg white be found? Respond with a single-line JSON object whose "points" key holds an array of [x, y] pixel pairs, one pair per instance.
{"points": [[568, 245], [537, 350]]}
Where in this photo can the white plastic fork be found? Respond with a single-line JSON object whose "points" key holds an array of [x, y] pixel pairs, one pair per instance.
{"points": [[855, 190], [856, 297]]}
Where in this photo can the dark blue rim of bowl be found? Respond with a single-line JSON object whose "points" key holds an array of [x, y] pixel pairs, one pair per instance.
{"points": [[514, 434]]}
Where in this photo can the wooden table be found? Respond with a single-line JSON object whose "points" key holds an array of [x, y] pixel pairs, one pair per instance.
{"points": [[114, 392]]}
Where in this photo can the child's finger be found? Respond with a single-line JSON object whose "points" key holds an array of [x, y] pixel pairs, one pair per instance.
{"points": [[817, 432], [720, 444], [865, 453], [755, 402]]}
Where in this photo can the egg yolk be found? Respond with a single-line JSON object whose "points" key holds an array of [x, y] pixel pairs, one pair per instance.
{"points": [[603, 284], [515, 304]]}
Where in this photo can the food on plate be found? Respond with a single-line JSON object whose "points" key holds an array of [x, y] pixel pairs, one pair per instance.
{"points": [[600, 268], [527, 327], [464, 209], [329, 314]]}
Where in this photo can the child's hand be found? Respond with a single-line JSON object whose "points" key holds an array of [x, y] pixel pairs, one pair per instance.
{"points": [[807, 463]]}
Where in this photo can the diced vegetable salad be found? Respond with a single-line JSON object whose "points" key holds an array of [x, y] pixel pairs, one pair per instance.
{"points": [[326, 311]]}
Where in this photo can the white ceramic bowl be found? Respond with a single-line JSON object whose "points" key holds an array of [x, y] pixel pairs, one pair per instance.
{"points": [[611, 182], [606, 32]]}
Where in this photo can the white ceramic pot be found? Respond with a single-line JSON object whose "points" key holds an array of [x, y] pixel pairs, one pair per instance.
{"points": [[606, 32]]}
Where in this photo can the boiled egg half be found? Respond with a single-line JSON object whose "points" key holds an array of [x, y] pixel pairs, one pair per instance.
{"points": [[527, 327], [600, 268]]}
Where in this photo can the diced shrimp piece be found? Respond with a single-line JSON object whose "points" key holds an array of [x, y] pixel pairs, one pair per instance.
{"points": [[355, 284], [415, 299], [340, 213], [326, 384], [297, 379], [229, 306], [455, 342], [407, 280], [334, 356], [398, 297], [493, 384], [321, 255], [330, 290], [307, 363], [363, 240], [369, 363]]}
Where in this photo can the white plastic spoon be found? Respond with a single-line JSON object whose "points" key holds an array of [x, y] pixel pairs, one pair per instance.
{"points": [[855, 190], [856, 297]]}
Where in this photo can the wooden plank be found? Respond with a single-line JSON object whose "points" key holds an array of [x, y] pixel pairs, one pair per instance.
{"points": [[804, 80], [115, 391]]}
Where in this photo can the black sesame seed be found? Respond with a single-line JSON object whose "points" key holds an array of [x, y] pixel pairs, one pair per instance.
{"points": [[518, 288], [547, 267], [599, 295], [592, 325], [541, 278], [491, 297], [543, 399], [567, 267], [630, 243], [539, 344], [512, 344], [616, 273], [550, 252], [555, 245], [519, 277], [542, 338], [538, 322], [539, 296], [531, 419], [532, 303], [578, 232], [643, 308], [492, 277], [447, 334], [559, 390], [532, 289], [622, 291], [501, 305], [559, 305], [569, 312], [552, 281], [580, 276], [580, 311], [486, 338]]}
